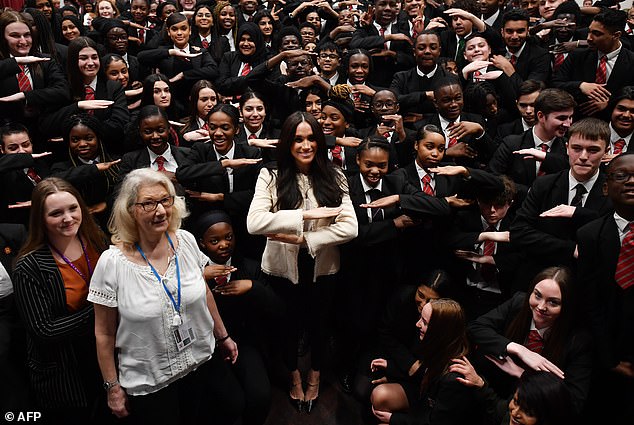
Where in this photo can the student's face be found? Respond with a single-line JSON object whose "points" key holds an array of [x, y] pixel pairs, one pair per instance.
{"points": [[621, 192], [151, 223], [346, 17], [358, 68], [83, 142], [451, 66], [333, 122], [18, 36], [384, 103], [253, 113], [118, 41], [227, 17], [289, 42], [304, 147], [427, 51], [373, 165], [16, 143], [449, 101], [221, 131], [585, 156], [430, 150], [547, 8], [308, 35], [248, 6], [155, 131], [88, 63], [489, 7], [328, 61], [167, 11], [313, 18], [118, 71], [266, 26], [139, 10], [514, 34], [491, 106], [531, 6], [207, 99], [246, 45], [492, 213], [461, 26], [385, 11], [44, 6], [105, 9], [622, 118], [423, 322], [161, 94], [188, 4], [204, 19], [298, 67], [423, 294], [62, 215], [545, 303], [477, 49], [564, 32], [313, 105], [69, 30], [179, 33], [517, 415], [555, 124], [600, 38], [526, 106], [219, 242], [411, 7]]}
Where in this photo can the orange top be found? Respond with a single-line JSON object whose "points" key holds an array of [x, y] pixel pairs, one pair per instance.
{"points": [[76, 287]]}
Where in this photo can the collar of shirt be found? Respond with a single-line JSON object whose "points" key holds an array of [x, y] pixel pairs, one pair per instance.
{"points": [[428, 75], [333, 80], [201, 122], [458, 38], [614, 137], [539, 141], [232, 44], [367, 187], [169, 158], [541, 331], [93, 85], [485, 224], [90, 161], [572, 184], [229, 154], [186, 48], [248, 132], [491, 20], [388, 28], [445, 123], [422, 173], [525, 125], [125, 58], [247, 18], [621, 224], [207, 39], [517, 54], [612, 56]]}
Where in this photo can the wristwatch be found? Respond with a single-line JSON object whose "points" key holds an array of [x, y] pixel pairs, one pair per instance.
{"points": [[109, 385]]}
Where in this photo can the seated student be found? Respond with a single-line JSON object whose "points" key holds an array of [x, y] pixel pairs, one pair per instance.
{"points": [[481, 98], [257, 129], [140, 34], [380, 31], [440, 398], [592, 75], [621, 123], [202, 99], [20, 171], [202, 26], [540, 150], [558, 204], [605, 253], [536, 330], [116, 69], [466, 140], [158, 90], [247, 305], [481, 238], [328, 61], [527, 94], [115, 37], [390, 126], [415, 87], [567, 36], [182, 62], [358, 65]]}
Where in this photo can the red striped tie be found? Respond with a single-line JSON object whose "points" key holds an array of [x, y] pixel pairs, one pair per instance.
{"points": [[89, 94], [453, 141], [160, 163], [618, 147], [245, 70], [32, 174], [252, 136], [624, 275], [602, 71], [559, 60], [23, 81], [427, 188], [535, 342], [382, 34], [337, 159], [221, 280], [513, 60], [205, 43], [487, 271], [142, 35]]}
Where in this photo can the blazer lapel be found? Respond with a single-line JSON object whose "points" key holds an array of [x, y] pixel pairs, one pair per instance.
{"points": [[529, 164]]}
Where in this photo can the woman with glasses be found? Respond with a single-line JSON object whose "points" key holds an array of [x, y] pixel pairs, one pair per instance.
{"points": [[153, 308]]}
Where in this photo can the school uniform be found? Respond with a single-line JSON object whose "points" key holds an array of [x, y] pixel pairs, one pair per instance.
{"points": [[18, 185], [410, 87]]}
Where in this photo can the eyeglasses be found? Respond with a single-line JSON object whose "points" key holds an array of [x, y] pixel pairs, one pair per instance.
{"points": [[380, 105], [620, 176], [149, 206], [332, 56]]}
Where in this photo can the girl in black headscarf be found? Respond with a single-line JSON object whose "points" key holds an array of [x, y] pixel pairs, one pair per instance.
{"points": [[236, 68]]}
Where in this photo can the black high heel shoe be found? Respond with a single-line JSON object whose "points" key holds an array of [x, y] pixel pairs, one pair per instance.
{"points": [[297, 403], [309, 405]]}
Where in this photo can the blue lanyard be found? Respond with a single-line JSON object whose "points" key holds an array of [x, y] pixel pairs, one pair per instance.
{"points": [[177, 305]]}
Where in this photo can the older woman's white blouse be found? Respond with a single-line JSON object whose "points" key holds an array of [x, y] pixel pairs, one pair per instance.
{"points": [[148, 357]]}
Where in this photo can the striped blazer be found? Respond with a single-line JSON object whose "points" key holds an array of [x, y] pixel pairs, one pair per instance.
{"points": [[55, 337]]}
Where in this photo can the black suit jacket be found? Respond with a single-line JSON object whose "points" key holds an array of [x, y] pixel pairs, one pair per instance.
{"points": [[532, 64], [522, 171], [140, 158], [410, 90], [16, 186], [514, 127], [12, 236]]}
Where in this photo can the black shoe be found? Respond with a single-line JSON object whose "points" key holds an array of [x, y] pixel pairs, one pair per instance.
{"points": [[346, 381], [309, 405], [298, 404]]}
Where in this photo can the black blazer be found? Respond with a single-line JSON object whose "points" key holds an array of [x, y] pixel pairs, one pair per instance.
{"points": [[522, 171], [487, 333], [229, 83], [552, 241], [611, 308], [16, 186], [410, 90], [93, 185], [140, 158], [58, 341], [401, 153], [532, 64], [514, 127], [12, 236]]}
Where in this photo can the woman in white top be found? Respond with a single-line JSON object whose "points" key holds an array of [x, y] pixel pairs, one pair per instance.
{"points": [[153, 308], [304, 209]]}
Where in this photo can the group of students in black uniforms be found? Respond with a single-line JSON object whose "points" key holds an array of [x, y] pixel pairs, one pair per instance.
{"points": [[486, 147]]}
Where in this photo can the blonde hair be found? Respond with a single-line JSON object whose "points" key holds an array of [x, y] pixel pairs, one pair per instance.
{"points": [[122, 223]]}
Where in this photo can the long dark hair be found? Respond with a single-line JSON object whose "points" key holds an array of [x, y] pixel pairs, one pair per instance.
{"points": [[77, 87], [326, 181], [45, 39], [557, 336], [194, 95], [9, 17]]}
